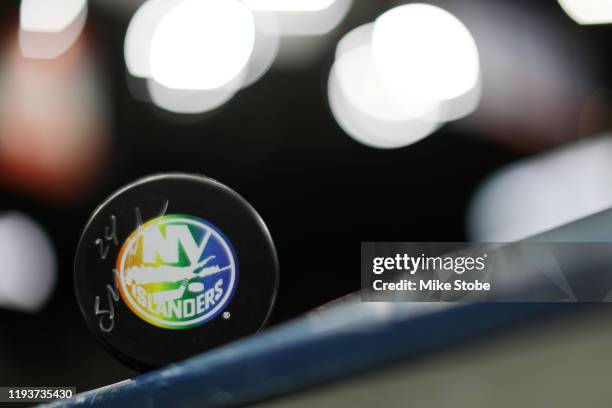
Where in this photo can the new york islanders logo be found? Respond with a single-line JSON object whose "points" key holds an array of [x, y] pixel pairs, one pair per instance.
{"points": [[177, 271]]}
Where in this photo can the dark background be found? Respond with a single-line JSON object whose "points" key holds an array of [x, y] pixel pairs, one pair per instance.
{"points": [[277, 144]]}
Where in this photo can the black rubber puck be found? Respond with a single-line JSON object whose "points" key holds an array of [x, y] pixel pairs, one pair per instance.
{"points": [[174, 265]]}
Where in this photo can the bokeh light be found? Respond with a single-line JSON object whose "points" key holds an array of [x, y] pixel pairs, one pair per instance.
{"points": [[139, 34], [191, 101], [288, 5], [265, 47], [363, 85], [366, 99], [196, 55], [424, 53], [312, 20], [53, 122], [28, 265], [49, 16], [543, 192], [372, 131], [48, 28], [588, 11], [202, 44], [193, 56]]}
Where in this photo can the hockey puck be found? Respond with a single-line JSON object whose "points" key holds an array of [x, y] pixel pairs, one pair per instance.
{"points": [[173, 265]]}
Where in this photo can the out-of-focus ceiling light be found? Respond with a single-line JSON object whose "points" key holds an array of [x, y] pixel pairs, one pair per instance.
{"points": [[48, 28], [588, 11], [265, 47], [207, 45], [28, 266], [194, 56], [364, 99], [425, 53], [372, 131], [312, 22], [189, 101], [47, 16], [288, 5], [202, 44], [139, 34], [543, 192], [362, 84]]}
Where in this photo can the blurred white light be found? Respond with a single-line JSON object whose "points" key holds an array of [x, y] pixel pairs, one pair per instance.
{"points": [[543, 192], [313, 22], [27, 264], [48, 16], [191, 96], [47, 29], [288, 5], [190, 101], [355, 38], [367, 108], [137, 44], [588, 11], [372, 131], [362, 85], [265, 47], [202, 44], [461, 106], [425, 53]]}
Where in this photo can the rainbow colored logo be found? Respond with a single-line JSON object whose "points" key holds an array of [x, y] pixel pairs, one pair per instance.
{"points": [[177, 271]]}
